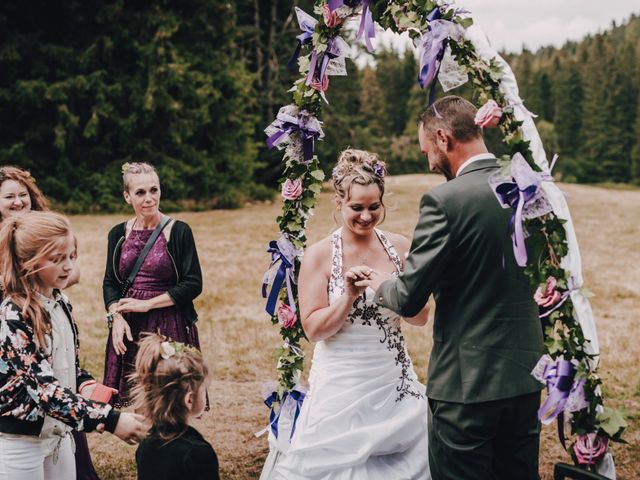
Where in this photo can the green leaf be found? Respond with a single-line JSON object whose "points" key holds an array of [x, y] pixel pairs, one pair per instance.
{"points": [[466, 22], [318, 175], [611, 421], [315, 188]]}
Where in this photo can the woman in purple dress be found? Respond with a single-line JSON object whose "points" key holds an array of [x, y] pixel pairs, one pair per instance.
{"points": [[160, 298]]}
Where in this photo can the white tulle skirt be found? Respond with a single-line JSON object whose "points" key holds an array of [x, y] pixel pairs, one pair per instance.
{"points": [[365, 416]]}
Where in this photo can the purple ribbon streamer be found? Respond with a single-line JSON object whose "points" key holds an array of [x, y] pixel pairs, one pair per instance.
{"points": [[433, 48], [284, 274], [559, 379], [304, 38], [367, 27], [508, 193]]}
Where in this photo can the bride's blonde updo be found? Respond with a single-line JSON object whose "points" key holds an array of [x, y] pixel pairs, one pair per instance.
{"points": [[357, 167]]}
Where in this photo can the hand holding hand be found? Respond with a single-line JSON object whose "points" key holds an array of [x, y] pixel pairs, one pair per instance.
{"points": [[374, 279], [119, 329], [131, 427], [126, 305], [353, 280]]}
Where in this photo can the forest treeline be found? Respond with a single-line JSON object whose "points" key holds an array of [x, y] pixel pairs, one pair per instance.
{"points": [[190, 86]]}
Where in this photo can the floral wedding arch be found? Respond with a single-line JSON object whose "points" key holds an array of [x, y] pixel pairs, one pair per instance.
{"points": [[453, 51]]}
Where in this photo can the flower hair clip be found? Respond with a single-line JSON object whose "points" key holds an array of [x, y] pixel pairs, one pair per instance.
{"points": [[378, 170], [169, 348]]}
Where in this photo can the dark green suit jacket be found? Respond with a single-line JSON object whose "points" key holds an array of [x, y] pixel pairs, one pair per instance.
{"points": [[487, 334]]}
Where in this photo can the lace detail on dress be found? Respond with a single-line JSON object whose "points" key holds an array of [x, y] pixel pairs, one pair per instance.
{"points": [[367, 313]]}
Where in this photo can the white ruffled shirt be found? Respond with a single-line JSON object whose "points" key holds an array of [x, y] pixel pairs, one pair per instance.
{"points": [[61, 347]]}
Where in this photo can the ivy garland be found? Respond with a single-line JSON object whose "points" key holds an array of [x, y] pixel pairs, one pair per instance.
{"points": [[297, 128]]}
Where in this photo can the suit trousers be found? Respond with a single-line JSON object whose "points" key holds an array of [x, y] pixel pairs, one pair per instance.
{"points": [[496, 440]]}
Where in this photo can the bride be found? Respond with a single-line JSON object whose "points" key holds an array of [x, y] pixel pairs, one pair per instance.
{"points": [[365, 415]]}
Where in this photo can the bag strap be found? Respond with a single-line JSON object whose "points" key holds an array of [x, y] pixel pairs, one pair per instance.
{"points": [[143, 254]]}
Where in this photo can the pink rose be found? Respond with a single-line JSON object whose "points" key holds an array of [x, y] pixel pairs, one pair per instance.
{"points": [[331, 19], [489, 115], [320, 86], [550, 296], [589, 448], [292, 189], [286, 316]]}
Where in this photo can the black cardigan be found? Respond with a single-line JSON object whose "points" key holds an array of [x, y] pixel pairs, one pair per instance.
{"points": [[182, 250]]}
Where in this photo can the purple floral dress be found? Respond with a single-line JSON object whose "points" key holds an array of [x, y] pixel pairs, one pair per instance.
{"points": [[156, 275]]}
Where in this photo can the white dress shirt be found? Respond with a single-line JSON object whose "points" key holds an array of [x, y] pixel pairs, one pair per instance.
{"points": [[475, 158]]}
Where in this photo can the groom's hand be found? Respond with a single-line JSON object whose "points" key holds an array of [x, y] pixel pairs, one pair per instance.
{"points": [[373, 279]]}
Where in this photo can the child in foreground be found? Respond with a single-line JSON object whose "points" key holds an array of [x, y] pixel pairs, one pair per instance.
{"points": [[171, 382], [44, 393]]}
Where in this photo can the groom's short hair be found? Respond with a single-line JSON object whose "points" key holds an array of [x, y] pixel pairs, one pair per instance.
{"points": [[455, 115]]}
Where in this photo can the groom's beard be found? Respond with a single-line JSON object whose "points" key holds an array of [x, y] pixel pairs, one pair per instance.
{"points": [[443, 165]]}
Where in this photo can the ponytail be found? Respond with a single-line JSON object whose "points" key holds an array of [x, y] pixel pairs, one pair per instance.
{"points": [[27, 240], [165, 372]]}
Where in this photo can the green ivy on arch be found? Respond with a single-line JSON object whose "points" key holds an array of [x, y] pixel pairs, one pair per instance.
{"points": [[439, 30]]}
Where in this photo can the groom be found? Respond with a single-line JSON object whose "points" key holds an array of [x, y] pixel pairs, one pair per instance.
{"points": [[487, 335]]}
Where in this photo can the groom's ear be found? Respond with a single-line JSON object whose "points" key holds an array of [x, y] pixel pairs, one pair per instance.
{"points": [[442, 139]]}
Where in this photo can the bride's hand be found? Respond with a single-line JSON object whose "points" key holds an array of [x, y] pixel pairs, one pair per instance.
{"points": [[353, 278], [374, 279]]}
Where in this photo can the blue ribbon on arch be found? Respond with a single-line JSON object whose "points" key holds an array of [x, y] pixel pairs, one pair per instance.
{"points": [[296, 396], [284, 252]]}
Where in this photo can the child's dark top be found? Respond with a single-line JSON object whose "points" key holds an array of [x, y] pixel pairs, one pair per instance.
{"points": [[188, 456]]}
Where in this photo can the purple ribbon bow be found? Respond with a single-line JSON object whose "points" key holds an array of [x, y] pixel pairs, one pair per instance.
{"points": [[367, 27], [304, 124], [432, 45], [307, 24], [518, 192], [559, 379], [333, 51], [284, 252], [291, 400]]}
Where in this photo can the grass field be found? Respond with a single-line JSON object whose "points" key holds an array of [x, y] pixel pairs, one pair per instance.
{"points": [[238, 339]]}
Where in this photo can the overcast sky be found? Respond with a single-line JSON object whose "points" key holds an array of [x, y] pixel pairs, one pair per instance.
{"points": [[510, 24]]}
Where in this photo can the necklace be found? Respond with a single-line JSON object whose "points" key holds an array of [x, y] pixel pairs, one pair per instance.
{"points": [[150, 228]]}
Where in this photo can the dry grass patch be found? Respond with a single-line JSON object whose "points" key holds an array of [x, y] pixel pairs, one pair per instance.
{"points": [[238, 339]]}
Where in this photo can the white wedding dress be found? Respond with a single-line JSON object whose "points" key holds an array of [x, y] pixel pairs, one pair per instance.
{"points": [[365, 415]]}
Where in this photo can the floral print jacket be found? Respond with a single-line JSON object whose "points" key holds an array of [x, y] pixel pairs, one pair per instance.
{"points": [[28, 388]]}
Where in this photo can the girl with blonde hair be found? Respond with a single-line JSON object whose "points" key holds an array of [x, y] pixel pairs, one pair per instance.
{"points": [[170, 385], [40, 375]]}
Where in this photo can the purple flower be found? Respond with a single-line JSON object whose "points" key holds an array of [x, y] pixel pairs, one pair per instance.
{"points": [[378, 169]]}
